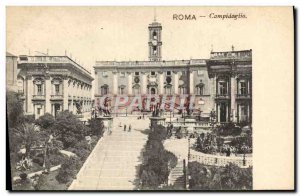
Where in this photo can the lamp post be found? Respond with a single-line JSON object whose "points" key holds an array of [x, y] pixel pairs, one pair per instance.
{"points": [[244, 149]]}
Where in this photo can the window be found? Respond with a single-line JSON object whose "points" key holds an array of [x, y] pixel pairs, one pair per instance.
{"points": [[200, 90], [122, 74], [154, 50], [57, 90], [168, 73], [154, 35], [243, 89], [136, 89], [121, 90], [39, 111], [39, 89], [222, 88], [104, 90], [152, 73], [168, 90], [104, 74], [136, 73], [182, 90], [200, 72]]}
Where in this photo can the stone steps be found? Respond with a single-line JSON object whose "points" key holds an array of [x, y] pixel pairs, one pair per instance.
{"points": [[176, 176]]}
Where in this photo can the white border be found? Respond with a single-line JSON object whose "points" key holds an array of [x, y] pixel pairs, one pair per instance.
{"points": [[5, 3]]}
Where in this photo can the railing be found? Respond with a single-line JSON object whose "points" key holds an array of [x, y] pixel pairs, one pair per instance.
{"points": [[246, 54], [56, 96], [221, 161], [243, 96], [38, 97], [151, 63], [52, 59], [222, 96]]}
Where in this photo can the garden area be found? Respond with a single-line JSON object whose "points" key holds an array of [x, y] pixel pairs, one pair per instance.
{"points": [[225, 140], [46, 143], [230, 177], [157, 162]]}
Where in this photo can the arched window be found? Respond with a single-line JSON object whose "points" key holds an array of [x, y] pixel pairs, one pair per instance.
{"points": [[104, 89], [136, 89], [168, 89], [200, 88], [154, 35], [122, 89]]}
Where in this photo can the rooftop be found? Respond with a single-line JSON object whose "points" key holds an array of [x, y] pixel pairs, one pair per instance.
{"points": [[173, 63], [51, 59], [241, 54], [10, 54]]}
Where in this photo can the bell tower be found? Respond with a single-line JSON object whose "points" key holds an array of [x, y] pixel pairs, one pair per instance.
{"points": [[155, 41]]}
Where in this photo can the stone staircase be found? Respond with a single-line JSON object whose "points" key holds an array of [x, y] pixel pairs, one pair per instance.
{"points": [[176, 177]]}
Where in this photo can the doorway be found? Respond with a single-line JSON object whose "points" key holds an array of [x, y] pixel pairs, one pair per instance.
{"points": [[223, 112], [152, 91]]}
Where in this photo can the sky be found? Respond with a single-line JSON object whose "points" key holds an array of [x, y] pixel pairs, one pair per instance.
{"points": [[121, 33]]}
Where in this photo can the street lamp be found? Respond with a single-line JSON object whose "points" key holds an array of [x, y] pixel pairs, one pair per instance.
{"points": [[244, 149]]}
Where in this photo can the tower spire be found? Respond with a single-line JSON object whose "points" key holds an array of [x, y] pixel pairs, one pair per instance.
{"points": [[154, 14]]}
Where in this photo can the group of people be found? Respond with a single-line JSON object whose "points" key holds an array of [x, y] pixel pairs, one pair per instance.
{"points": [[125, 127], [140, 117]]}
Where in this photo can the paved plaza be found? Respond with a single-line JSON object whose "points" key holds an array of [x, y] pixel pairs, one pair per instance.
{"points": [[115, 159]]}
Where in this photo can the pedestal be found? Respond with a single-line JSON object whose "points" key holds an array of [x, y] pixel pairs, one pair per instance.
{"points": [[107, 123], [154, 121]]}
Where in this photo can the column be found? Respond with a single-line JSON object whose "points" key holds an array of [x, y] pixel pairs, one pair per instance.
{"points": [[48, 90], [65, 94], [129, 86], [161, 83], [232, 97], [144, 83], [96, 85], [115, 83], [175, 82], [218, 112], [191, 82], [29, 95]]}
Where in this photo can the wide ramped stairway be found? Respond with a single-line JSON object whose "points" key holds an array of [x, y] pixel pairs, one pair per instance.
{"points": [[114, 161]]}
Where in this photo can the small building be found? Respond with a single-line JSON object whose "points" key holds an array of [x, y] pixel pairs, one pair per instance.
{"points": [[11, 72], [51, 84]]}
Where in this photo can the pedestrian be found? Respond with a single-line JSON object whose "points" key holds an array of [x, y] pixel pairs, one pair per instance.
{"points": [[129, 128], [143, 116], [124, 127]]}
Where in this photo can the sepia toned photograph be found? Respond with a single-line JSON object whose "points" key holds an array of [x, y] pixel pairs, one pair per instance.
{"points": [[132, 98]]}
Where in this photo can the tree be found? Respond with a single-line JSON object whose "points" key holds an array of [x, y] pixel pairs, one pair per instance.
{"points": [[28, 134], [96, 126], [45, 121], [68, 129], [14, 108], [68, 170]]}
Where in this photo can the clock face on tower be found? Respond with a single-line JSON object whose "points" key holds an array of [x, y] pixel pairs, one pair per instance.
{"points": [[154, 42]]}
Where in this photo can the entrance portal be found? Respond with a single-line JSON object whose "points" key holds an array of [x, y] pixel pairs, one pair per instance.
{"points": [[152, 91], [223, 112]]}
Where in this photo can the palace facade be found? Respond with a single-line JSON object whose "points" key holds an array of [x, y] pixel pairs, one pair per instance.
{"points": [[50, 84], [221, 83]]}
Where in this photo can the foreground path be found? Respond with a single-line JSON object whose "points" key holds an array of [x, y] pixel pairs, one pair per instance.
{"points": [[114, 162]]}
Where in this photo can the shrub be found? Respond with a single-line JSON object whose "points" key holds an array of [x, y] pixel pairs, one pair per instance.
{"points": [[230, 177], [23, 176], [96, 126], [157, 161], [45, 121], [68, 170]]}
